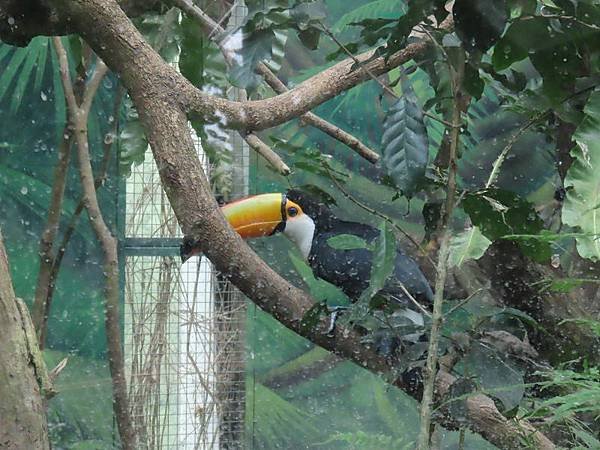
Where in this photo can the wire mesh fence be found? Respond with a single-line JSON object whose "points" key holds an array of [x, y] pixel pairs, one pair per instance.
{"points": [[184, 330]]}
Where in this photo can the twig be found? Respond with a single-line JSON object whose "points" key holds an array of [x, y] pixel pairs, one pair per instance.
{"points": [[92, 86], [39, 311], [413, 300], [267, 153], [275, 83], [559, 17], [463, 302], [98, 182]]}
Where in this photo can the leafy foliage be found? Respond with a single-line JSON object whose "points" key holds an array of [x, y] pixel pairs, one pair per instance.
{"points": [[479, 24]]}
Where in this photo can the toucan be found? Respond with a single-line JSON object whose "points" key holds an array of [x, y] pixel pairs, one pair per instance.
{"points": [[310, 224]]}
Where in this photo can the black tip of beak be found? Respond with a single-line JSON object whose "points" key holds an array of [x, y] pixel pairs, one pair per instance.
{"points": [[187, 249]]}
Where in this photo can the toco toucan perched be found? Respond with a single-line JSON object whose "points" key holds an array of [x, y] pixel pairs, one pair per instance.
{"points": [[310, 224]]}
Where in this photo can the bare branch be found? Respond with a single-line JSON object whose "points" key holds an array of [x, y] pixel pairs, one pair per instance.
{"points": [[65, 78], [40, 306], [92, 86], [266, 152]]}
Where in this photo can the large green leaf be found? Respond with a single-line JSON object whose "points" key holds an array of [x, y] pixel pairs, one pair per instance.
{"points": [[498, 213], [581, 208], [479, 23], [470, 244], [405, 143], [384, 257]]}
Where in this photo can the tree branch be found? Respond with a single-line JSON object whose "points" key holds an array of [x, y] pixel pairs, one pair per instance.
{"points": [[40, 306], [276, 84], [79, 116]]}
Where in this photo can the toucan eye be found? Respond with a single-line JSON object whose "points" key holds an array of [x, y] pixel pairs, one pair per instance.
{"points": [[292, 211]]}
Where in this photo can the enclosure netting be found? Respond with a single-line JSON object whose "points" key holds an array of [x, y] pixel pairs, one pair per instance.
{"points": [[184, 339]]}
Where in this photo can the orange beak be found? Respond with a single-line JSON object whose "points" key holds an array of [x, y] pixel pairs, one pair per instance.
{"points": [[255, 216]]}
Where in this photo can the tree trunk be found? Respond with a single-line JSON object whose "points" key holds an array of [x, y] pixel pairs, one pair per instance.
{"points": [[22, 373]]}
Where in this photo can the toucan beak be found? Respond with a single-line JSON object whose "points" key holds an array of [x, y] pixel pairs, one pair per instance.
{"points": [[255, 216]]}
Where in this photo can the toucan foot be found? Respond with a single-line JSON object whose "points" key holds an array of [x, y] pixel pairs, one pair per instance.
{"points": [[334, 312]]}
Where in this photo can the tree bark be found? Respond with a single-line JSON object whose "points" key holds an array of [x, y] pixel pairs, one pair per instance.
{"points": [[22, 412]]}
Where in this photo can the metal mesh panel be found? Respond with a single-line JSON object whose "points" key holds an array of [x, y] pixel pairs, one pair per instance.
{"points": [[184, 339]]}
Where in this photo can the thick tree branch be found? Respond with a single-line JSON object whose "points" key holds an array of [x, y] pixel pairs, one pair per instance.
{"points": [[130, 53], [22, 412]]}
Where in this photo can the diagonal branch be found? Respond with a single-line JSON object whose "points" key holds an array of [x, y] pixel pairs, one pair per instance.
{"points": [[276, 84]]}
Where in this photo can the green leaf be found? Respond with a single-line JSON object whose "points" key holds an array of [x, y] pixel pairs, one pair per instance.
{"points": [[405, 142], [520, 38], [308, 13], [498, 213], [252, 48], [347, 242], [132, 139], [384, 253], [310, 319], [470, 244], [580, 208]]}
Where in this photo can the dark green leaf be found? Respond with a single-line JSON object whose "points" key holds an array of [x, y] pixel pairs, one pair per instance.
{"points": [[479, 23], [498, 212], [405, 143], [472, 82], [520, 38], [431, 215], [310, 38], [311, 318], [384, 252]]}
